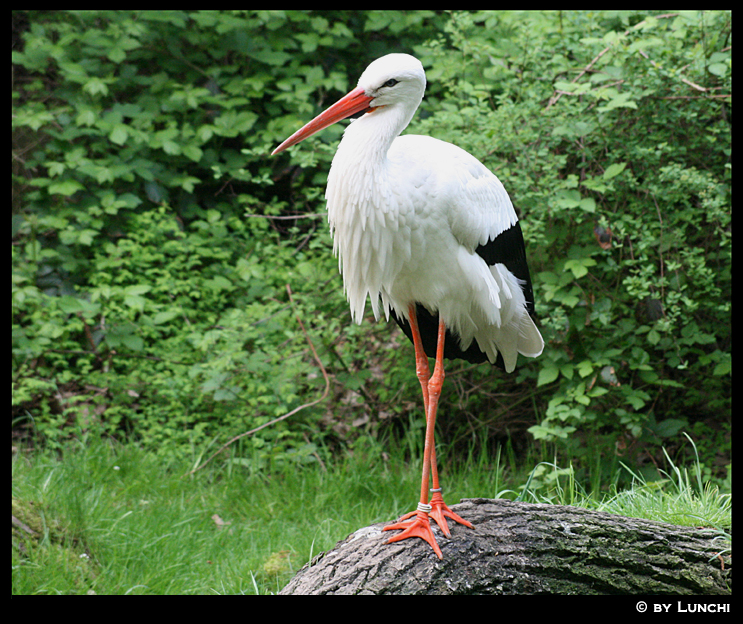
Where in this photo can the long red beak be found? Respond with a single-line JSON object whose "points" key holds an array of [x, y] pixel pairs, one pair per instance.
{"points": [[353, 102]]}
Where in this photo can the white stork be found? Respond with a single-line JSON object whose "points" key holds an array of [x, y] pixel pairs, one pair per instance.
{"points": [[429, 234]]}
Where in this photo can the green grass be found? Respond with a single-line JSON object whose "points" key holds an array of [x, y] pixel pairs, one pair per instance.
{"points": [[147, 529], [114, 519], [680, 498]]}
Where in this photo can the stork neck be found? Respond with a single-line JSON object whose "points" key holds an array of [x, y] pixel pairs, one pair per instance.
{"points": [[371, 136]]}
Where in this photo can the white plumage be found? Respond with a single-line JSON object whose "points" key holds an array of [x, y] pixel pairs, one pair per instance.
{"points": [[423, 228], [407, 214]]}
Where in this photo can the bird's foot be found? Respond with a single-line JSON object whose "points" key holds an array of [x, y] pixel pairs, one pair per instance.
{"points": [[420, 526], [440, 512]]}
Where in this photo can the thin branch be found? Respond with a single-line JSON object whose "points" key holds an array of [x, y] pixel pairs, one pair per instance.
{"points": [[296, 409], [694, 97], [307, 215], [559, 94]]}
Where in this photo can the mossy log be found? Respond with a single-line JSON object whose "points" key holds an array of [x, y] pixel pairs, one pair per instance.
{"points": [[522, 548]]}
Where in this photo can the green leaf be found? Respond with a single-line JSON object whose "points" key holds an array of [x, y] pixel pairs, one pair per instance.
{"points": [[138, 289], [166, 316], [95, 86], [568, 198], [65, 187], [117, 55], [133, 342], [669, 427], [614, 170], [585, 368], [171, 147], [119, 134], [70, 305], [218, 282], [621, 100], [718, 69], [86, 118], [580, 266], [547, 374], [193, 152], [271, 57], [723, 368]]}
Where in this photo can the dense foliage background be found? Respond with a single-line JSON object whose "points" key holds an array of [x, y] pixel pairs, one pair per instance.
{"points": [[154, 238]]}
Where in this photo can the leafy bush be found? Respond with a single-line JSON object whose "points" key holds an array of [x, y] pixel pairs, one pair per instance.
{"points": [[154, 238], [149, 285]]}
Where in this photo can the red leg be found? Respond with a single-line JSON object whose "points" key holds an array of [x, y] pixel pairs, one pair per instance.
{"points": [[422, 371], [439, 510], [420, 525], [431, 389]]}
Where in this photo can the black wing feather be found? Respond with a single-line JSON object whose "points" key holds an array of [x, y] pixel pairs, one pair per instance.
{"points": [[507, 248]]}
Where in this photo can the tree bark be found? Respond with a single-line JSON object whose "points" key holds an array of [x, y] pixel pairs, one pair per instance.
{"points": [[522, 548]]}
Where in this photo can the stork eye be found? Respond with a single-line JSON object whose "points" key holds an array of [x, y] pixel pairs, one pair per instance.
{"points": [[390, 83]]}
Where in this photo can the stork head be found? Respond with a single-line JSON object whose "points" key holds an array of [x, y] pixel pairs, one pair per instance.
{"points": [[394, 81]]}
